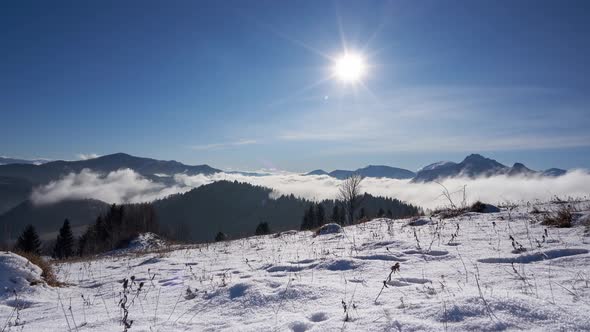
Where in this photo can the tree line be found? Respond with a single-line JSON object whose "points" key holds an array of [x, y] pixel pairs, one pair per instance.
{"points": [[111, 230]]}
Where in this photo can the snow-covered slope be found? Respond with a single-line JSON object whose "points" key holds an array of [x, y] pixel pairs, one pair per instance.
{"points": [[460, 274], [19, 275]]}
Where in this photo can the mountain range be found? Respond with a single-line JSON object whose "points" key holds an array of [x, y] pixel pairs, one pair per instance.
{"points": [[476, 165], [18, 178], [472, 166], [373, 171], [8, 160]]}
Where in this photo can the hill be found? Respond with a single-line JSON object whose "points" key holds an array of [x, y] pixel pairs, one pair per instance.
{"points": [[457, 274], [236, 208], [49, 218]]}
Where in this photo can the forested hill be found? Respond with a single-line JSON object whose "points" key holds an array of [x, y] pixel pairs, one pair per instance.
{"points": [[237, 208]]}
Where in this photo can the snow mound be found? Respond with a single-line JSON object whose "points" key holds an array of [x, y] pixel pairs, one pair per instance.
{"points": [[581, 218], [17, 274], [146, 241], [330, 228]]}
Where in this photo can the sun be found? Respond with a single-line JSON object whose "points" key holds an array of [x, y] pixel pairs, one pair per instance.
{"points": [[349, 67]]}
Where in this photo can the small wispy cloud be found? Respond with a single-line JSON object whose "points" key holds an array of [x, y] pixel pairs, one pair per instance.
{"points": [[224, 145], [86, 156], [455, 119]]}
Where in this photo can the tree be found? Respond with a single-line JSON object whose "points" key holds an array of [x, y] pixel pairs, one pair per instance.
{"points": [[29, 241], [350, 195], [389, 214], [263, 228], [336, 214], [320, 215], [308, 219], [362, 213], [220, 237], [64, 245], [117, 227], [381, 213]]}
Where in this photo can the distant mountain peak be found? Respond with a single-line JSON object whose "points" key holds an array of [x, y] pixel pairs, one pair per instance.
{"points": [[476, 165], [474, 157], [317, 172]]}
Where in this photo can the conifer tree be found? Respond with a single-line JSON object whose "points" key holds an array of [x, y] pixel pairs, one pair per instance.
{"points": [[362, 213], [29, 241], [381, 213], [220, 237], [64, 245], [263, 228], [320, 215], [307, 222], [336, 214]]}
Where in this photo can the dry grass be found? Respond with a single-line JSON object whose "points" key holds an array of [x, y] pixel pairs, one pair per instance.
{"points": [[46, 268], [561, 218]]}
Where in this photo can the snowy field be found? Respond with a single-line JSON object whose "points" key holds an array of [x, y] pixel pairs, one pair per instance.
{"points": [[458, 274]]}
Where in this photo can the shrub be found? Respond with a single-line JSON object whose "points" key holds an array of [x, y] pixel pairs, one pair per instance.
{"points": [[221, 237], [263, 229], [561, 218]]}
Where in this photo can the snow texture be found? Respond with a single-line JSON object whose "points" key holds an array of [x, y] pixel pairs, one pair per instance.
{"points": [[17, 274], [456, 274]]}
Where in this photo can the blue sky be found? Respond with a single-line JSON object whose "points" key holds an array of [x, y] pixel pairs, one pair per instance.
{"points": [[244, 84]]}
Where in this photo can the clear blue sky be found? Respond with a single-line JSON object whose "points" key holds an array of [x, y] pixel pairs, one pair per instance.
{"points": [[242, 85]]}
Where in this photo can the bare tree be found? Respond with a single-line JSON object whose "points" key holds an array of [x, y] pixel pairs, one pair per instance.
{"points": [[350, 195]]}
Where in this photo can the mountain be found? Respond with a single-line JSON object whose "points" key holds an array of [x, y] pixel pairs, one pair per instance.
{"points": [[341, 174], [18, 180], [472, 166], [41, 174], [318, 172], [378, 171], [373, 171], [13, 191], [476, 165], [520, 169], [8, 160], [49, 218], [436, 165], [554, 172]]}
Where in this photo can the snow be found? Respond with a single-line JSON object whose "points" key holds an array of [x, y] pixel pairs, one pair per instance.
{"points": [[430, 167], [17, 274], [330, 228], [146, 241], [456, 274]]}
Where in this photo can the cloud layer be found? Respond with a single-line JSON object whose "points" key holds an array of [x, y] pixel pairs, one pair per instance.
{"points": [[122, 186], [127, 186]]}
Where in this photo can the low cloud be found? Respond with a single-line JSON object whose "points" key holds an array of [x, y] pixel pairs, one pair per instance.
{"points": [[122, 186], [127, 186], [86, 156]]}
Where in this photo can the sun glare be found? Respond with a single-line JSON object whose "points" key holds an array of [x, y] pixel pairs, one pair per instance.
{"points": [[349, 67]]}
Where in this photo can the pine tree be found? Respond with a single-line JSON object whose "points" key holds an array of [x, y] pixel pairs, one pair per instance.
{"points": [[362, 213], [309, 218], [389, 214], [220, 237], [263, 228], [320, 215], [64, 245], [29, 241], [381, 213], [336, 214]]}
